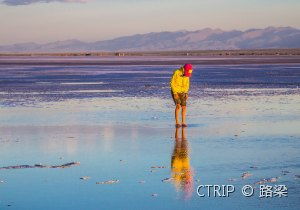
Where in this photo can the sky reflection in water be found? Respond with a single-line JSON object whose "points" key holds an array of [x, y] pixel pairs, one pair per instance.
{"points": [[132, 138]]}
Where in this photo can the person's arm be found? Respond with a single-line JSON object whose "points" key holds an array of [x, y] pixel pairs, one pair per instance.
{"points": [[173, 83], [186, 86]]}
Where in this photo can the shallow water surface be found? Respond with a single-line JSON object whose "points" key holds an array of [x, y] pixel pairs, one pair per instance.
{"points": [[140, 148], [119, 127]]}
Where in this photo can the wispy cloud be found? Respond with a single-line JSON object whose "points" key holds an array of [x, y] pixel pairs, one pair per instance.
{"points": [[27, 2]]}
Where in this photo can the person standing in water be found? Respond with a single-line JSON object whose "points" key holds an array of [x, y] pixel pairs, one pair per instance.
{"points": [[180, 84]]}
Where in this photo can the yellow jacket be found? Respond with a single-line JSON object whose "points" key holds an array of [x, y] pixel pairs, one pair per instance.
{"points": [[179, 83]]}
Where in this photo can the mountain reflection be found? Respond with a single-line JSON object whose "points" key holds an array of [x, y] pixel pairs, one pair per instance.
{"points": [[180, 165]]}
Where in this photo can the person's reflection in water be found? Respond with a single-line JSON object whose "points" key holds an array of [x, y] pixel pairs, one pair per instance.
{"points": [[180, 165]]}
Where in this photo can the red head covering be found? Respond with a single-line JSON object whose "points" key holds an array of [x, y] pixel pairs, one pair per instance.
{"points": [[188, 69]]}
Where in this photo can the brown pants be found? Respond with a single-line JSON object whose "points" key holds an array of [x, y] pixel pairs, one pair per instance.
{"points": [[181, 98]]}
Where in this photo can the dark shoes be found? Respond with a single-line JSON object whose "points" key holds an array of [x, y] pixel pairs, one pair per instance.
{"points": [[183, 125]]}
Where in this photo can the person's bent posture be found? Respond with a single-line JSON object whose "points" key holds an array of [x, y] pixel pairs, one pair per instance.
{"points": [[180, 84]]}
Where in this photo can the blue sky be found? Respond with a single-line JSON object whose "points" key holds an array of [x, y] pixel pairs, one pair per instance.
{"points": [[44, 21]]}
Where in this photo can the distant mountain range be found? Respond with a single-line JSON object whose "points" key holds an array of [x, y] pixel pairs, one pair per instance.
{"points": [[205, 39]]}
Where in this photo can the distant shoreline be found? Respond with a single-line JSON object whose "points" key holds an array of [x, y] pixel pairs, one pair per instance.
{"points": [[188, 53], [145, 60], [207, 57]]}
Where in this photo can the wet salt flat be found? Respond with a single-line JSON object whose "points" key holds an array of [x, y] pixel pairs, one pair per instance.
{"points": [[243, 129]]}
